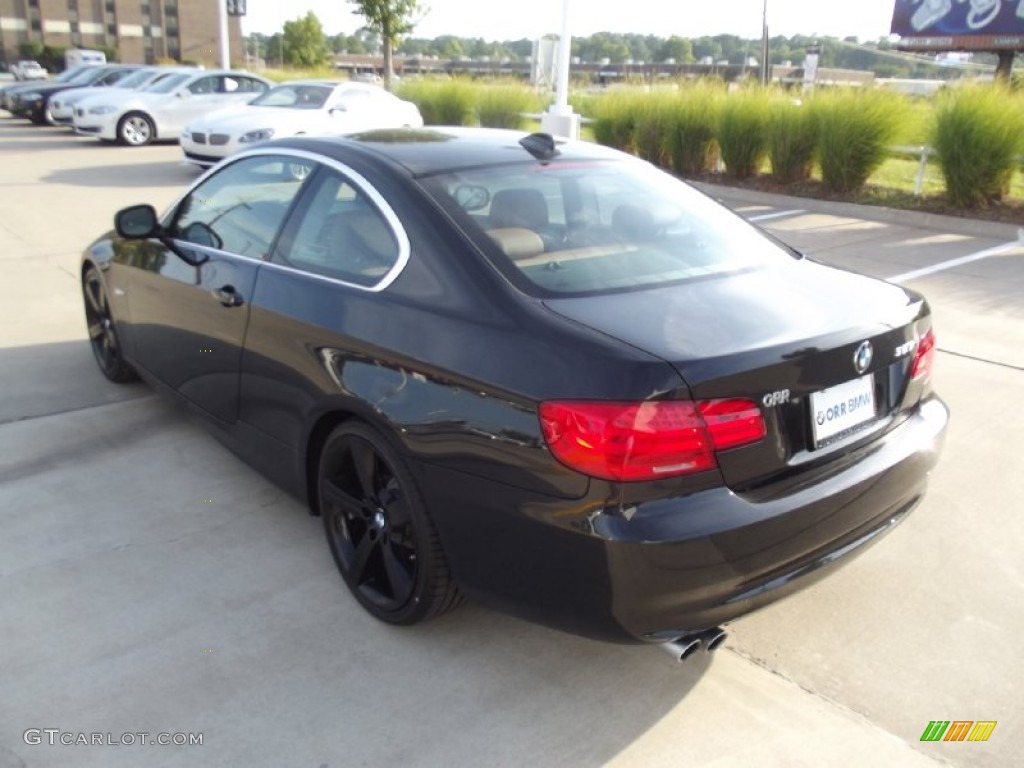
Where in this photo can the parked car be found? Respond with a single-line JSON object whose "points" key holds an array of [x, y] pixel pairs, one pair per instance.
{"points": [[7, 91], [34, 103], [299, 107], [160, 112], [62, 106], [545, 376], [29, 70]]}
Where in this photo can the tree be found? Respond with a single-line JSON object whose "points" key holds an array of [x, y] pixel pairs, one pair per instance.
{"points": [[305, 44], [390, 19], [677, 48]]}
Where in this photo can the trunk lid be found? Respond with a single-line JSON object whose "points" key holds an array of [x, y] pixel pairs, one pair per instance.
{"points": [[785, 336]]}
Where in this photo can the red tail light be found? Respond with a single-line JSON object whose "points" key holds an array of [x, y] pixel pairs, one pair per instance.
{"points": [[647, 440], [924, 357]]}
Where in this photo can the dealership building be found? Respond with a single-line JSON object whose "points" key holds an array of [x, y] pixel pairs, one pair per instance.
{"points": [[141, 31]]}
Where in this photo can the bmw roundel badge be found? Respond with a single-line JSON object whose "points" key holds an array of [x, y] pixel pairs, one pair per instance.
{"points": [[862, 357]]}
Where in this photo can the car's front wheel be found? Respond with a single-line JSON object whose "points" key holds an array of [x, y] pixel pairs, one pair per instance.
{"points": [[379, 530], [135, 129], [106, 347]]}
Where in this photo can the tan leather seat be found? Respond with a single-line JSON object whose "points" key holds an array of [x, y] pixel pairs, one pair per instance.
{"points": [[517, 243]]}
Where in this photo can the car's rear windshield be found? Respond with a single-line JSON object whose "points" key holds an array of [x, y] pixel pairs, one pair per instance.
{"points": [[598, 226]]}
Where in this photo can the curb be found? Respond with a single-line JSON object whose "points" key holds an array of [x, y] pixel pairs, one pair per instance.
{"points": [[918, 219]]}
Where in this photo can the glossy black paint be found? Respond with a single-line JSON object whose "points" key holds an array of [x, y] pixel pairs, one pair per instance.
{"points": [[451, 361]]}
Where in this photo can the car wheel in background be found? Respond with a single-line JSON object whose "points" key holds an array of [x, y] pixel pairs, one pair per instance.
{"points": [[135, 129], [102, 333], [378, 528]]}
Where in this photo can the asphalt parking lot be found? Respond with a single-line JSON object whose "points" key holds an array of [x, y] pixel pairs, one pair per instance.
{"points": [[152, 583]]}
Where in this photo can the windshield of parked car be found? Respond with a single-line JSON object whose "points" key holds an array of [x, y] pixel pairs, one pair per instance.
{"points": [[68, 74], [136, 78], [294, 96], [168, 84], [94, 74], [116, 77], [85, 75], [595, 226]]}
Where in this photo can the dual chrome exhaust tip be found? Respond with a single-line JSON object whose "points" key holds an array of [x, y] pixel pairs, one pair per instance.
{"points": [[687, 645]]}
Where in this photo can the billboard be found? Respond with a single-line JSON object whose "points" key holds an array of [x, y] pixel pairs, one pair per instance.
{"points": [[966, 25]]}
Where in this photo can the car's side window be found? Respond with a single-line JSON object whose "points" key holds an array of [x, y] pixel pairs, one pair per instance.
{"points": [[249, 85], [204, 85], [240, 208], [341, 234]]}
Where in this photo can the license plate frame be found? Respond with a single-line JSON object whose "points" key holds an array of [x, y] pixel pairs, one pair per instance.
{"points": [[837, 411]]}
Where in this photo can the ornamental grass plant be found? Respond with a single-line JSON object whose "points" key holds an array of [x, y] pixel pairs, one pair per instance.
{"points": [[855, 129], [977, 136]]}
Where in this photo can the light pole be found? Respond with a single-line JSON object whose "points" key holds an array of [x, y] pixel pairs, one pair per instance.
{"points": [[764, 44], [222, 20], [560, 120]]}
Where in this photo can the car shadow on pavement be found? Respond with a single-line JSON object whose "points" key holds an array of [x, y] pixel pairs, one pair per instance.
{"points": [[155, 174], [224, 584], [44, 379]]}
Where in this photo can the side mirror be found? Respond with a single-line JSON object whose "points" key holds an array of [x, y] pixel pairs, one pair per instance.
{"points": [[472, 197], [137, 222], [201, 233], [338, 109]]}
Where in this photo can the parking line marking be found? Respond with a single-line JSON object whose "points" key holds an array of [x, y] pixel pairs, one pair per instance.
{"points": [[944, 265], [777, 215]]}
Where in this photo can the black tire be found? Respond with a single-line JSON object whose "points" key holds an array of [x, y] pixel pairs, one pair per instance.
{"points": [[106, 347], [135, 129], [379, 530]]}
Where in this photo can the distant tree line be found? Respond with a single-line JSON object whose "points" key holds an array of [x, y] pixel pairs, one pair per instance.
{"points": [[849, 53]]}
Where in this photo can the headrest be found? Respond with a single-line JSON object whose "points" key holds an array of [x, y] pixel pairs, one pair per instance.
{"points": [[517, 243]]}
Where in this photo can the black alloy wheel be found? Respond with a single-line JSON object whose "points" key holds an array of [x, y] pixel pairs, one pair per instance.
{"points": [[378, 529], [102, 333]]}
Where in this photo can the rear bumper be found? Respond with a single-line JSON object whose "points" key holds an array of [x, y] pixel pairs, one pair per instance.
{"points": [[654, 570]]}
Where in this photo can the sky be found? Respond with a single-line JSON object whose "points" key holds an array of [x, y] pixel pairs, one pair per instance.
{"points": [[516, 19]]}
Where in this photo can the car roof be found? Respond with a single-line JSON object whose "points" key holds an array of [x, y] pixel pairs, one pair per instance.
{"points": [[423, 151], [313, 81]]}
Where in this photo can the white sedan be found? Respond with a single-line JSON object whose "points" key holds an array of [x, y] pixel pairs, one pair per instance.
{"points": [[62, 106], [160, 111], [316, 107]]}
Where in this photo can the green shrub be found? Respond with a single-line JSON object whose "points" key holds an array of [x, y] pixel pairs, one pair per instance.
{"points": [[792, 137], [441, 102], [614, 115], [742, 131], [976, 134], [691, 130], [502, 104], [653, 128], [855, 131]]}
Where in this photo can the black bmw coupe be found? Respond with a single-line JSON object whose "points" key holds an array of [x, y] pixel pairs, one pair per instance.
{"points": [[543, 375]]}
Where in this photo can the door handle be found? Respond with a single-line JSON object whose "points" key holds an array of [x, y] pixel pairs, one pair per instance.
{"points": [[228, 296]]}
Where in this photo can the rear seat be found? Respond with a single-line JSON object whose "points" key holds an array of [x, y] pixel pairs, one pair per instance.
{"points": [[517, 243]]}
